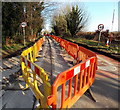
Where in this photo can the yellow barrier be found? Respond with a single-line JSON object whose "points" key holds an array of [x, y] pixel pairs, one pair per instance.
{"points": [[32, 52], [34, 76]]}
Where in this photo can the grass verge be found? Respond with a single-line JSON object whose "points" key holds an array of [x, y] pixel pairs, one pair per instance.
{"points": [[113, 50], [15, 49]]}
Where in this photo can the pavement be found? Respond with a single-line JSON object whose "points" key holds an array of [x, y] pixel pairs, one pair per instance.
{"points": [[105, 88]]}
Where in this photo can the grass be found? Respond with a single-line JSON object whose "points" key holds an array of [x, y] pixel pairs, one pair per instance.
{"points": [[113, 49], [13, 47], [7, 50]]}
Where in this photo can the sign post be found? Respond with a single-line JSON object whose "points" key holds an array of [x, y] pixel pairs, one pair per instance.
{"points": [[24, 24], [100, 28]]}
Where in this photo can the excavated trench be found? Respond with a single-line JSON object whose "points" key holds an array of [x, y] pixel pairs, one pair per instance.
{"points": [[54, 60]]}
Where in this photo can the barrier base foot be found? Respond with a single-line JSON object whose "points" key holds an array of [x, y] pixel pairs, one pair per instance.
{"points": [[34, 102], [90, 95]]}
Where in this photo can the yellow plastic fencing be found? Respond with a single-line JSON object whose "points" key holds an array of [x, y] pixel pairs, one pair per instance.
{"points": [[37, 79], [34, 76]]}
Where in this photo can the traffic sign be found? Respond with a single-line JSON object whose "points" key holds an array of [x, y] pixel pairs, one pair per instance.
{"points": [[23, 24], [100, 27]]}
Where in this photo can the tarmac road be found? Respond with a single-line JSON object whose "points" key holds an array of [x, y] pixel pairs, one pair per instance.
{"points": [[11, 96], [105, 88]]}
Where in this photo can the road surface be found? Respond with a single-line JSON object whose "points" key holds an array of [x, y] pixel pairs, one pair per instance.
{"points": [[105, 88]]}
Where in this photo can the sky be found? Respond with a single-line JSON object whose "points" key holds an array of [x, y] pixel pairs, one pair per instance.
{"points": [[99, 12], [102, 13]]}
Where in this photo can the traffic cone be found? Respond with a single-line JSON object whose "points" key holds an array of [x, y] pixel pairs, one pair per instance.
{"points": [[107, 43]]}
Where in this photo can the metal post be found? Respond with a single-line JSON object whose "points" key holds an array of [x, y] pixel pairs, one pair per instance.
{"points": [[99, 38], [100, 28], [24, 34]]}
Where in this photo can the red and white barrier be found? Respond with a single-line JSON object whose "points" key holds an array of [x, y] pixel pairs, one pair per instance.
{"points": [[79, 68], [31, 66]]}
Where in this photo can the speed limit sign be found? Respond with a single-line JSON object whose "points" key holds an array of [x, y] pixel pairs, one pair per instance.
{"points": [[100, 27]]}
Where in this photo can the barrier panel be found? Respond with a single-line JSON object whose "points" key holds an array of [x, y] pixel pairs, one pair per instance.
{"points": [[73, 50], [84, 54], [32, 52], [83, 75], [62, 43], [34, 76], [39, 44], [77, 79], [74, 81], [29, 53]]}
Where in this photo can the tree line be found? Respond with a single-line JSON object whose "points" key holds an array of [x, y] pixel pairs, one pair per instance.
{"points": [[14, 13], [69, 22]]}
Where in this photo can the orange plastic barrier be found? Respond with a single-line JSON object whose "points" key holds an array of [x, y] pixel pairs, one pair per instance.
{"points": [[84, 54], [83, 76], [73, 50], [56, 38], [78, 53], [39, 44], [62, 43], [76, 80]]}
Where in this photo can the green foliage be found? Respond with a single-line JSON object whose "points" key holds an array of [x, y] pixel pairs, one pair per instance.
{"points": [[14, 13], [102, 47], [33, 17], [75, 20], [12, 48], [3, 39], [70, 22], [19, 39], [59, 25], [11, 17]]}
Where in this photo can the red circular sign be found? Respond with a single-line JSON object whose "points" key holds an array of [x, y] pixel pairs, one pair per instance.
{"points": [[23, 24], [100, 27]]}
